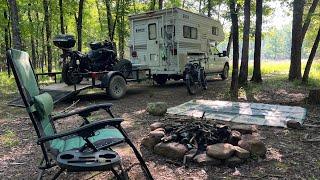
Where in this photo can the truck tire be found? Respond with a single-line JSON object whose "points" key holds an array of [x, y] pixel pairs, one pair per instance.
{"points": [[225, 73], [117, 87], [160, 79], [124, 66], [68, 77]]}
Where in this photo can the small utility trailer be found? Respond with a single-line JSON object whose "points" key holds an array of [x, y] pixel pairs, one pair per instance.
{"points": [[112, 81]]}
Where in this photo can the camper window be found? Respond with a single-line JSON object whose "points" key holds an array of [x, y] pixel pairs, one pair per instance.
{"points": [[152, 29], [190, 32], [214, 31]]}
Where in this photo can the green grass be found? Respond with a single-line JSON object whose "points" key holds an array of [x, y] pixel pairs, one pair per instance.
{"points": [[9, 139], [278, 71]]}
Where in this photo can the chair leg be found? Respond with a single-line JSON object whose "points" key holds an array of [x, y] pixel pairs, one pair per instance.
{"points": [[41, 174], [58, 174], [136, 152], [116, 174]]}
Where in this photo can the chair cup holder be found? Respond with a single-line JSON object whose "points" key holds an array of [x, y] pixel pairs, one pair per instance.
{"points": [[67, 156], [80, 161]]}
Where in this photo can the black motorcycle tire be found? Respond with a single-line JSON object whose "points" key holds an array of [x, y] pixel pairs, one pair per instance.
{"points": [[191, 84], [117, 87], [203, 79], [67, 76], [124, 66]]}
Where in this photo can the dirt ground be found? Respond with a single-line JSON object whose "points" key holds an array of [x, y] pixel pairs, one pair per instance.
{"points": [[289, 156]]}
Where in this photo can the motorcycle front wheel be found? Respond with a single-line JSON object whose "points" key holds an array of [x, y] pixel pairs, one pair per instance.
{"points": [[68, 76], [191, 84]]}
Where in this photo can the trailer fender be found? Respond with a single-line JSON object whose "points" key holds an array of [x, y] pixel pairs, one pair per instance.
{"points": [[106, 78]]}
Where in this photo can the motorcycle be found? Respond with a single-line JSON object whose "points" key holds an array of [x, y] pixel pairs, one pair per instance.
{"points": [[195, 76], [101, 57]]}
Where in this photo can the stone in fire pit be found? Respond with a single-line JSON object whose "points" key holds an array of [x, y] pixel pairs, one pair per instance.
{"points": [[203, 142]]}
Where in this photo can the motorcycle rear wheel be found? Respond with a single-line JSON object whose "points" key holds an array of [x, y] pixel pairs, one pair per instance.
{"points": [[68, 77]]}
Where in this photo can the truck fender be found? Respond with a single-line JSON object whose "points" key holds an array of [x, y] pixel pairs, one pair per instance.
{"points": [[106, 78]]}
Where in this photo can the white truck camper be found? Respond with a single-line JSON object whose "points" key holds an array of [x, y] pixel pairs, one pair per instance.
{"points": [[166, 40]]}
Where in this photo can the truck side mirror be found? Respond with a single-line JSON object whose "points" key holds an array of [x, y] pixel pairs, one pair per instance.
{"points": [[224, 53]]}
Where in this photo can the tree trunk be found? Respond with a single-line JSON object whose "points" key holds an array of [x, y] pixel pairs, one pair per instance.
{"points": [[79, 24], [160, 4], [109, 18], [310, 59], [43, 54], [153, 5], [99, 15], [61, 17], [47, 21], [209, 8], [295, 65], [121, 28], [229, 42], [115, 19], [200, 6], [235, 34], [243, 75], [257, 44], [16, 33], [33, 47], [6, 39], [308, 18]]}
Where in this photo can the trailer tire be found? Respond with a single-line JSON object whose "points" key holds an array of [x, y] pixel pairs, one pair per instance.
{"points": [[124, 66], [117, 87], [225, 73], [67, 76], [160, 79]]}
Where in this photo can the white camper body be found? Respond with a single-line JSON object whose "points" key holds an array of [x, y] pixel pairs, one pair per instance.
{"points": [[166, 39]]}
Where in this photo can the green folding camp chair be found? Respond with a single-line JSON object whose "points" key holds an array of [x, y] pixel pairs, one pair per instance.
{"points": [[86, 148]]}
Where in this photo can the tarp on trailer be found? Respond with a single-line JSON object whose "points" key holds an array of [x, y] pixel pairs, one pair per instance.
{"points": [[242, 112]]}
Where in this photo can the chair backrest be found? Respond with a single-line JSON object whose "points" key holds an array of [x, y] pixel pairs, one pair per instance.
{"points": [[39, 106]]}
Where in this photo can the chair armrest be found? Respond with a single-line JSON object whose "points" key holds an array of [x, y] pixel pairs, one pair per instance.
{"points": [[85, 112], [84, 130]]}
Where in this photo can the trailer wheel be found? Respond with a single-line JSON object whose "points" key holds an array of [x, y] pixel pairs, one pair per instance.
{"points": [[117, 87], [68, 77], [124, 66], [225, 73], [160, 79]]}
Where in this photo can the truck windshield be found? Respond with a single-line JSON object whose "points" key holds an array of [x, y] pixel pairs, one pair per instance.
{"points": [[169, 31]]}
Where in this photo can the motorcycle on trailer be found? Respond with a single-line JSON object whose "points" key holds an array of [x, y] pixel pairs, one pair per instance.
{"points": [[98, 62]]}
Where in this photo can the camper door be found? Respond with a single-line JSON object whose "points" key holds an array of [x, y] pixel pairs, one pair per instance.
{"points": [[153, 42]]}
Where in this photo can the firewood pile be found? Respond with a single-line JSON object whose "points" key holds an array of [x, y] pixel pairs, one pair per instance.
{"points": [[204, 143]]}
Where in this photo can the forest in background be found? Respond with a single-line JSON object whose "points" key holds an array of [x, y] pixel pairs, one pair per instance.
{"points": [[31, 25]]}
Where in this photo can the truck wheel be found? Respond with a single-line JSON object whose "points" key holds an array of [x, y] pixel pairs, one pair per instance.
{"points": [[225, 73], [124, 66], [68, 77], [117, 87], [160, 79]]}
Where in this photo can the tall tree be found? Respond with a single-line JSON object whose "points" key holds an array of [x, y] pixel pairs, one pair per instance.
{"points": [[256, 77], [229, 42], [16, 32], [152, 5], [243, 75], [235, 34], [121, 29], [47, 21], [61, 17], [6, 38], [295, 65], [112, 23], [311, 57], [308, 18], [160, 4], [210, 6], [79, 20], [32, 41]]}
